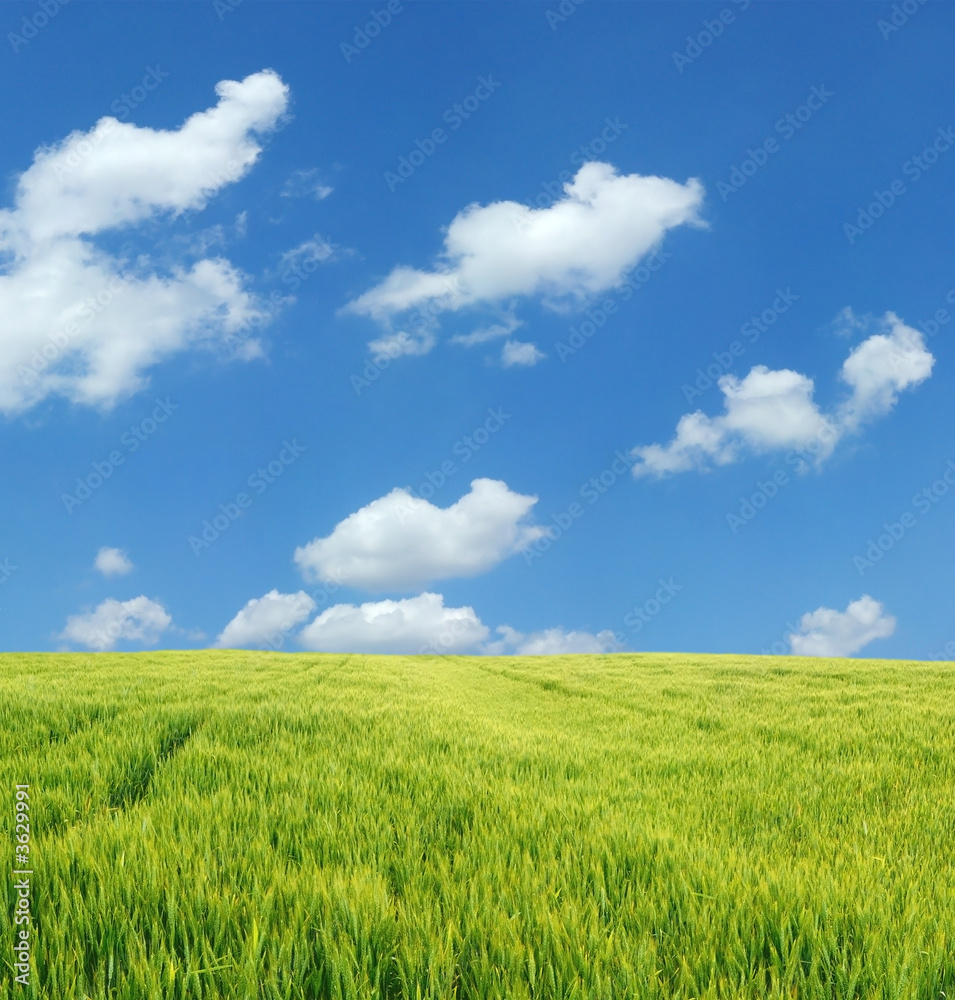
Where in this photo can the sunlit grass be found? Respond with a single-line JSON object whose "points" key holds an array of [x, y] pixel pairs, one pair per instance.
{"points": [[223, 824]]}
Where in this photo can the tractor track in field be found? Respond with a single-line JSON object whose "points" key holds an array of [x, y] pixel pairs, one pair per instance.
{"points": [[130, 781], [544, 683], [134, 784]]}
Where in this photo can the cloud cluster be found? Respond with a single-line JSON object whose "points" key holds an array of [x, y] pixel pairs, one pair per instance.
{"points": [[580, 246], [410, 625], [395, 542], [514, 353], [83, 323], [774, 410], [826, 632], [140, 619], [399, 542]]}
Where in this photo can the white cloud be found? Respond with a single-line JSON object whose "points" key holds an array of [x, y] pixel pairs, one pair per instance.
{"points": [[112, 562], [774, 410], [846, 323], [494, 331], [317, 250], [306, 184], [879, 368], [79, 322], [263, 617], [399, 542], [764, 411], [139, 619], [514, 353], [549, 642], [580, 246], [405, 626], [826, 632], [394, 345]]}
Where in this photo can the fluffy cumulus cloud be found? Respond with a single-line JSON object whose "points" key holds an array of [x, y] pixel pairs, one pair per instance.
{"points": [[413, 625], [516, 353], [112, 562], [400, 542], [550, 642], [880, 368], [86, 324], [266, 620], [827, 632], [140, 619], [580, 246], [774, 410]]}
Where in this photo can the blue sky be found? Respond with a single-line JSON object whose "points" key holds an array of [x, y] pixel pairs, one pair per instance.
{"points": [[501, 328]]}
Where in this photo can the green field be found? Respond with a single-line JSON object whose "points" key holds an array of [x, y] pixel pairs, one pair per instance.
{"points": [[222, 824]]}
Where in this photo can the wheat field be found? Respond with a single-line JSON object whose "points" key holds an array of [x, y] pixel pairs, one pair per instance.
{"points": [[224, 824]]}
